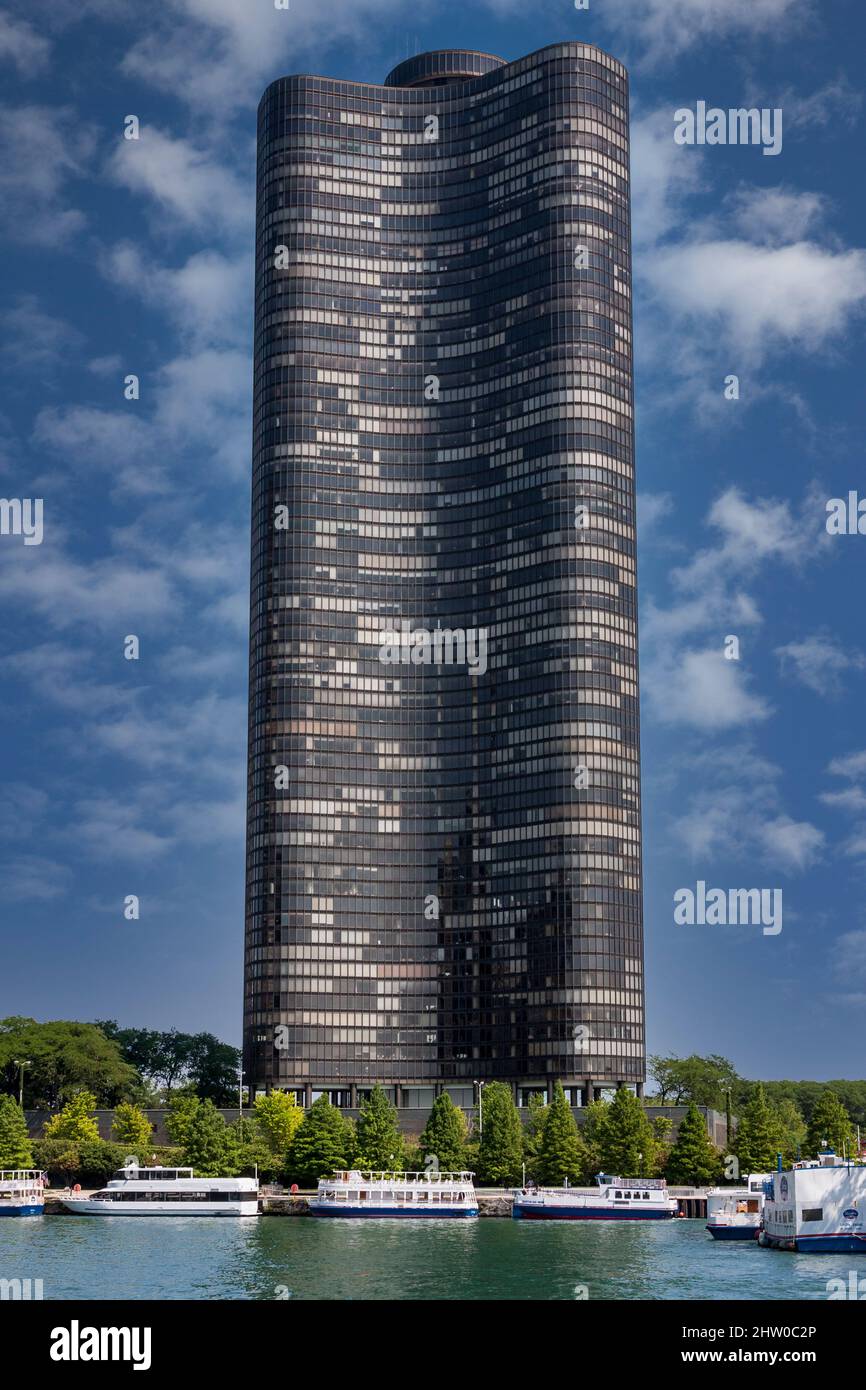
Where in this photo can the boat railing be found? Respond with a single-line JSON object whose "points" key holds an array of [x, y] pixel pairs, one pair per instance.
{"points": [[33, 1175], [371, 1177], [652, 1184]]}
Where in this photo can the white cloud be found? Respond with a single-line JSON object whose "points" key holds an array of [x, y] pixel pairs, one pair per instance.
{"points": [[200, 415], [851, 765], [21, 809], [756, 299], [34, 338], [194, 735], [793, 844], [34, 878], [109, 365], [819, 662], [219, 54], [736, 814], [111, 829], [849, 799], [776, 215], [652, 507], [661, 178], [836, 103], [207, 298], [184, 181], [848, 957], [22, 45], [108, 592], [660, 31], [709, 589], [702, 690], [685, 676], [41, 149]]}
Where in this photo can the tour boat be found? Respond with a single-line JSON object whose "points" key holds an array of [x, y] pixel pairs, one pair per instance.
{"points": [[21, 1192], [618, 1199], [816, 1206], [734, 1213], [135, 1191], [355, 1193]]}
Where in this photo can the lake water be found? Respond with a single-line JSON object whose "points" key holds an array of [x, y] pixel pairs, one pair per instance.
{"points": [[301, 1258]]}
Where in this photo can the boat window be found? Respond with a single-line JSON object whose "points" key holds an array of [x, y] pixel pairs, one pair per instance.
{"points": [[813, 1213], [646, 1196], [618, 1195]]}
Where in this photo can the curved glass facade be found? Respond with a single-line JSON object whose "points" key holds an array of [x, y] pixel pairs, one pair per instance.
{"points": [[444, 854]]}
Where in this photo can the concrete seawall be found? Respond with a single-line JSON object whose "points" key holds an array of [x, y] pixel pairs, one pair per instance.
{"points": [[489, 1203], [692, 1202]]}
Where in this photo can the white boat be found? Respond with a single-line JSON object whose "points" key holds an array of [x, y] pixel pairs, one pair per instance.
{"points": [[356, 1193], [22, 1192], [618, 1199], [817, 1206], [135, 1191], [734, 1213]]}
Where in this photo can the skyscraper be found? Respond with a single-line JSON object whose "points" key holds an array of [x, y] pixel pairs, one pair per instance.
{"points": [[444, 843]]}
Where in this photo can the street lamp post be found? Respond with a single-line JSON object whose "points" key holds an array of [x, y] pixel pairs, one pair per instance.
{"points": [[21, 1065], [480, 1085]]}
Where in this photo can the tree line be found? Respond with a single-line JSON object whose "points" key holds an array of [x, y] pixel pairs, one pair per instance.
{"points": [[142, 1066], [287, 1143]]}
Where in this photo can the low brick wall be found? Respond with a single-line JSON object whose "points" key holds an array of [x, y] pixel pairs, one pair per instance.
{"points": [[411, 1122]]}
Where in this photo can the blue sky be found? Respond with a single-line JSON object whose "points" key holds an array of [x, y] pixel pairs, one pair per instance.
{"points": [[123, 777]]}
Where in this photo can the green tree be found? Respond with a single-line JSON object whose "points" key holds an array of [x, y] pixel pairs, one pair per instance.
{"points": [[626, 1143], [829, 1124], [213, 1069], [693, 1160], [661, 1128], [15, 1149], [700, 1079], [98, 1160], [758, 1135], [533, 1128], [253, 1151], [59, 1158], [278, 1116], [75, 1121], [791, 1127], [444, 1136], [62, 1059], [181, 1108], [131, 1126], [171, 1059], [160, 1058], [561, 1153], [500, 1147], [208, 1147], [379, 1143], [322, 1145]]}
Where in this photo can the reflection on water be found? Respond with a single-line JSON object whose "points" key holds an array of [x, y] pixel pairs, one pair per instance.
{"points": [[276, 1257]]}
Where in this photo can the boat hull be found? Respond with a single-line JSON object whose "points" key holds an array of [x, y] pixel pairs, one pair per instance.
{"points": [[733, 1232], [89, 1208], [522, 1213], [26, 1209], [830, 1243], [389, 1213]]}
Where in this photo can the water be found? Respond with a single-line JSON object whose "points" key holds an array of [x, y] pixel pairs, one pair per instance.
{"points": [[302, 1258]]}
